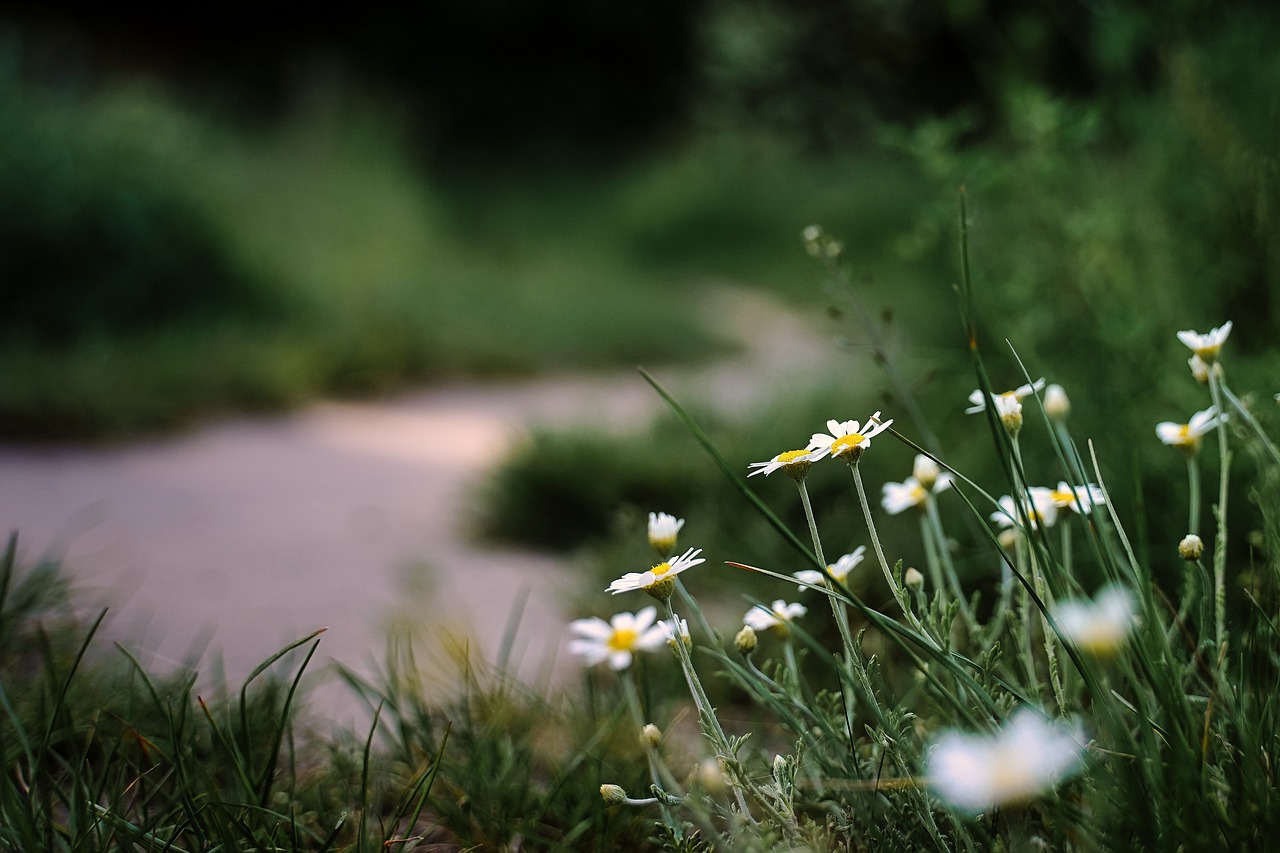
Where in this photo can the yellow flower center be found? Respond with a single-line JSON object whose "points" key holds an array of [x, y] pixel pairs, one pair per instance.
{"points": [[623, 639], [660, 569], [917, 494], [1063, 498], [791, 456], [845, 443]]}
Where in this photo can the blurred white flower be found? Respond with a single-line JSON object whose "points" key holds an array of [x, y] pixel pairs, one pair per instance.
{"points": [[1187, 436], [619, 638], [839, 569], [795, 462], [663, 572], [1056, 403], [663, 530], [1005, 402], [1206, 346], [680, 629], [1041, 509], [914, 491], [1026, 758], [1079, 499], [777, 616], [1200, 370], [847, 439], [1098, 627]]}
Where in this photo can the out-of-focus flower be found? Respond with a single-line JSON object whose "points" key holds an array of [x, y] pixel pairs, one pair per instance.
{"points": [[1041, 509], [913, 492], [1186, 437], [650, 736], [1208, 345], [794, 462], [1056, 403], [839, 570], [618, 639], [662, 574], [847, 439], [679, 629], [1191, 547], [778, 616], [1081, 499], [1008, 405], [1098, 627], [1029, 756], [1200, 370], [664, 528]]}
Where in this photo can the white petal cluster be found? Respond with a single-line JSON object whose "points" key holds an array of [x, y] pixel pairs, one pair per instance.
{"points": [[1187, 436], [661, 572], [839, 570], [618, 639], [847, 437], [1041, 509], [1208, 345], [1081, 499], [1029, 756], [1100, 626], [790, 460], [1008, 403], [778, 615], [914, 491], [663, 530]]}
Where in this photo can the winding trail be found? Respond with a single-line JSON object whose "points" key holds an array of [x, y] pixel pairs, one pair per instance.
{"points": [[240, 536]]}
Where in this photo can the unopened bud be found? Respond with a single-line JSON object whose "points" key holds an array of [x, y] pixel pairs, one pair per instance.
{"points": [[1056, 404], [1190, 548], [1008, 538], [925, 470], [650, 736], [746, 640], [613, 794], [913, 579], [710, 775]]}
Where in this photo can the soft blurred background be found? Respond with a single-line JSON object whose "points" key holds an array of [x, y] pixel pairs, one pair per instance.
{"points": [[254, 208]]}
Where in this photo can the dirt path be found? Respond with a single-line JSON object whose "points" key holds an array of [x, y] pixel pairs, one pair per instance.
{"points": [[242, 535]]}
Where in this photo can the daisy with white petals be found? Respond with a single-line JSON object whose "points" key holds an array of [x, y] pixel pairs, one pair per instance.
{"points": [[794, 462], [663, 530], [1186, 437], [1080, 499], [1098, 627], [839, 570], [912, 492], [1041, 509], [1028, 757], [1005, 401], [1208, 345], [847, 439], [662, 574], [777, 616], [618, 639]]}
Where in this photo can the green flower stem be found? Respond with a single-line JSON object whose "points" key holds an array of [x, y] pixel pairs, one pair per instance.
{"points": [[651, 753], [1064, 531], [1220, 541], [837, 607], [949, 566], [932, 559], [1193, 494], [696, 612], [707, 715], [884, 564]]}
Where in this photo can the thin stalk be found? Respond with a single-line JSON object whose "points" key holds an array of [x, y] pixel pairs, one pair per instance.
{"points": [[948, 565], [837, 606], [1220, 543], [1193, 494], [884, 563], [637, 714], [1250, 420]]}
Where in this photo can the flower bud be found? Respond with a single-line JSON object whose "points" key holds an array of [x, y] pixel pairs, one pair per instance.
{"points": [[1056, 404], [746, 640], [925, 470], [613, 794], [650, 736], [1190, 548], [913, 579], [710, 775]]}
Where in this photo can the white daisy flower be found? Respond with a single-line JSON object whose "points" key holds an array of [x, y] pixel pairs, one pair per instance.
{"points": [[1098, 627], [795, 462], [1187, 436], [1200, 370], [839, 570], [1009, 401], [618, 639], [778, 616], [1029, 756], [663, 530], [1041, 509], [679, 629], [914, 491], [1206, 346], [664, 571], [847, 439], [1080, 499]]}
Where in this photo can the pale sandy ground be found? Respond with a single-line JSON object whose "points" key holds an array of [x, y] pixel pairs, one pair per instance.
{"points": [[239, 536]]}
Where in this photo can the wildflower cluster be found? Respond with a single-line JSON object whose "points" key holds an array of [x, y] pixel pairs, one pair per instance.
{"points": [[1033, 666]]}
